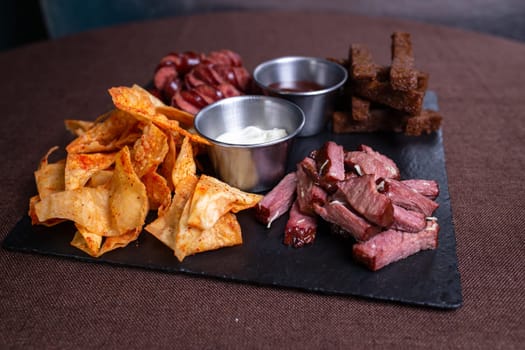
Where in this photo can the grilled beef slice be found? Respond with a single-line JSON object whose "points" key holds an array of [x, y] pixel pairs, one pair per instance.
{"points": [[300, 228], [392, 245], [428, 188], [408, 220], [278, 201], [362, 195], [336, 212], [330, 162], [405, 197], [308, 192], [369, 161]]}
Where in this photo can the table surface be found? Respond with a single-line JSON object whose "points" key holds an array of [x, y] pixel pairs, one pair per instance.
{"points": [[59, 303]]}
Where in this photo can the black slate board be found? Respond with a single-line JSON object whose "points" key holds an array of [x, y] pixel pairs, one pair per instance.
{"points": [[429, 278]]}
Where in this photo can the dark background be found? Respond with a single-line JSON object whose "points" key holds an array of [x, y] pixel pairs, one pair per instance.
{"points": [[26, 21]]}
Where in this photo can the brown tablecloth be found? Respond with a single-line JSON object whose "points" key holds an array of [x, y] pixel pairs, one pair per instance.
{"points": [[49, 302]]}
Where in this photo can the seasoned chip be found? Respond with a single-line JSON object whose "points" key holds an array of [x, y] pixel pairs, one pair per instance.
{"points": [[167, 166], [183, 117], [185, 163], [190, 240], [173, 125], [112, 243], [110, 133], [85, 206], [96, 245], [149, 150], [87, 241], [159, 194], [138, 102], [34, 218], [213, 198], [80, 167], [166, 225], [78, 127], [137, 157], [128, 200], [225, 233], [49, 177], [100, 178], [145, 106]]}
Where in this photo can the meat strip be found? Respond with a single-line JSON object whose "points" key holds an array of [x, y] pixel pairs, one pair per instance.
{"points": [[337, 213], [388, 163], [278, 201], [308, 192], [392, 245], [405, 197], [362, 195], [403, 76], [300, 228], [408, 220], [428, 188], [371, 162], [310, 167], [330, 162]]}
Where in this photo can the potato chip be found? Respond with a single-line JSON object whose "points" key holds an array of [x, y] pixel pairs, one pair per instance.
{"points": [[136, 101], [111, 132], [213, 198], [185, 163], [34, 218], [78, 127], [128, 200], [184, 118], [31, 212], [87, 241], [173, 125], [149, 150], [49, 177], [96, 245], [80, 167], [79, 242], [159, 194], [165, 226], [100, 178], [191, 240], [167, 166], [112, 243], [145, 106], [85, 206], [225, 233], [127, 162]]}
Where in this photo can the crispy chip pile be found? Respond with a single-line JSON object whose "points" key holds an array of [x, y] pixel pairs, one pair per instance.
{"points": [[137, 158]]}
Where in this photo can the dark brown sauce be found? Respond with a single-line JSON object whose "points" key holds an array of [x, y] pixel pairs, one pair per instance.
{"points": [[296, 86]]}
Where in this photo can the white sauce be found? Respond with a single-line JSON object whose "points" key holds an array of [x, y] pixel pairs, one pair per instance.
{"points": [[251, 135]]}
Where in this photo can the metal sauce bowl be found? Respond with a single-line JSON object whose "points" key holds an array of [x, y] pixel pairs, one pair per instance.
{"points": [[317, 105], [250, 167]]}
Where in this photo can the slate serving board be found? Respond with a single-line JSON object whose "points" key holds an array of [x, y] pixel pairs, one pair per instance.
{"points": [[429, 278]]}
